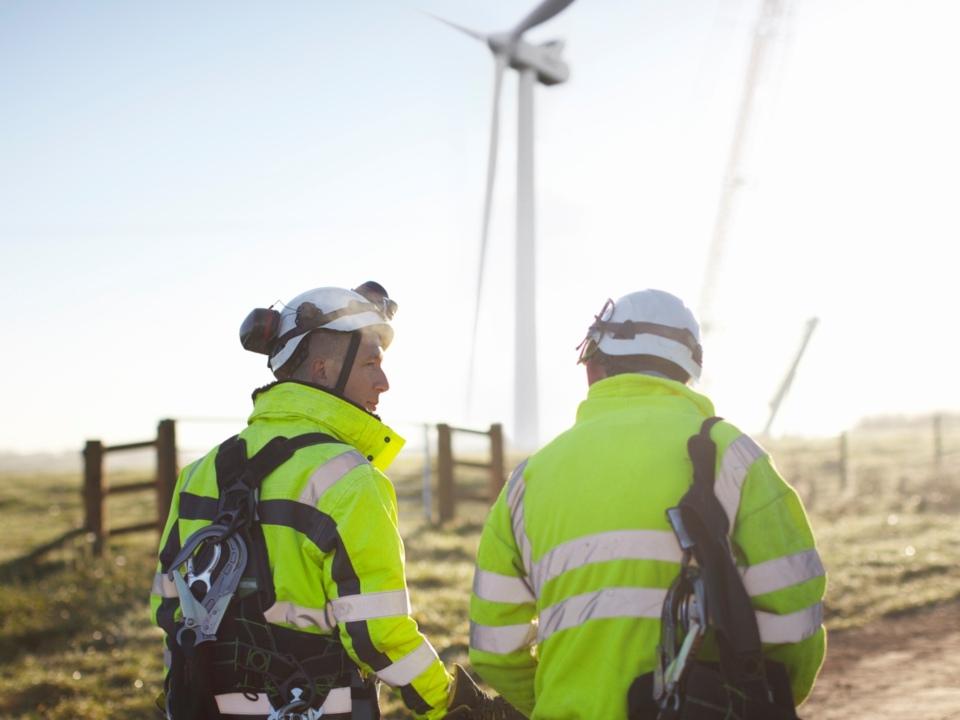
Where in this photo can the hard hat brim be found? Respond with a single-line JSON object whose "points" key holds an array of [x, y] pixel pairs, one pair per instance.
{"points": [[670, 350], [345, 324]]}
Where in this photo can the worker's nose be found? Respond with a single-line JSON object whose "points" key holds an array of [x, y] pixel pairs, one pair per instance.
{"points": [[380, 381]]}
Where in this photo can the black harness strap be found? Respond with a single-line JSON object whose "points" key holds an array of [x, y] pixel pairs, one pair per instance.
{"points": [[732, 616], [742, 686], [348, 360], [273, 659], [742, 668]]}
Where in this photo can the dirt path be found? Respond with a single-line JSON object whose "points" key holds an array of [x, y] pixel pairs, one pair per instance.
{"points": [[904, 667]]}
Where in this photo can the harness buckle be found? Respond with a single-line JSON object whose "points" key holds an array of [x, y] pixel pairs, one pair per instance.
{"points": [[287, 711]]}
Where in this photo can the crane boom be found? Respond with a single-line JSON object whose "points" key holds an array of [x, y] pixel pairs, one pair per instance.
{"points": [[788, 380], [770, 13]]}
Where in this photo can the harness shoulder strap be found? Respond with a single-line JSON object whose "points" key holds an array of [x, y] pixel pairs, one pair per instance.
{"points": [[233, 465], [280, 449], [239, 477], [708, 594], [732, 615]]}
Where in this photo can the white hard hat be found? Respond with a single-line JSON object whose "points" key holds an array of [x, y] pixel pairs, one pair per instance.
{"points": [[648, 322], [332, 308]]}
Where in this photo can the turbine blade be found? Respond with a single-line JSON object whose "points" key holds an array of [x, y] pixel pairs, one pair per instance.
{"points": [[500, 67], [540, 14], [465, 30]]}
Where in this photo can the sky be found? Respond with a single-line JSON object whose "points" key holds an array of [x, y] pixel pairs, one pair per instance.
{"points": [[166, 167]]}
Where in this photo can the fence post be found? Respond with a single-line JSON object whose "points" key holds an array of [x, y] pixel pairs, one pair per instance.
{"points": [[427, 480], [445, 500], [938, 442], [94, 491], [843, 462], [166, 469], [496, 460]]}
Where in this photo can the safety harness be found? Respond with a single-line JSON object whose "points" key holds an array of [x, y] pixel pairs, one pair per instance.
{"points": [[223, 642], [709, 594]]}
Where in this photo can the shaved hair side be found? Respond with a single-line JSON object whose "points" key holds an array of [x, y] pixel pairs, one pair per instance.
{"points": [[325, 344]]}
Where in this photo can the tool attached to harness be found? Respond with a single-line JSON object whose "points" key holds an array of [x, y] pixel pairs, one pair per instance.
{"points": [[685, 606], [708, 596], [201, 618], [223, 643]]}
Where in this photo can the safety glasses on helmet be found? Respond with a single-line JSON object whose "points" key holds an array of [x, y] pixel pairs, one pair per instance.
{"points": [[628, 329], [588, 346]]}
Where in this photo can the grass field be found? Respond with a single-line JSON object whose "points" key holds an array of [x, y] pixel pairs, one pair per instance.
{"points": [[76, 642]]}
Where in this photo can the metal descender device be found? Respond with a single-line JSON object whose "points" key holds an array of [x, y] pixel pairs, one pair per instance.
{"points": [[219, 577]]}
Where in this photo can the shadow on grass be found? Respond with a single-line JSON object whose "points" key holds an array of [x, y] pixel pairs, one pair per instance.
{"points": [[432, 582], [41, 693], [453, 652], [912, 610], [460, 528], [25, 570], [59, 604], [453, 554], [38, 641]]}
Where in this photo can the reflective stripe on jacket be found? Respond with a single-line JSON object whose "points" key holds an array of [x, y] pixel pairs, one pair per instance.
{"points": [[578, 541], [329, 518]]}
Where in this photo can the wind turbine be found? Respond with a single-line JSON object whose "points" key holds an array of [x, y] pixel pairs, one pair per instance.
{"points": [[533, 63]]}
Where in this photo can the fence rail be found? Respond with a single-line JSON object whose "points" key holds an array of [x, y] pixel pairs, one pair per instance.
{"points": [[904, 460], [96, 486], [824, 470]]}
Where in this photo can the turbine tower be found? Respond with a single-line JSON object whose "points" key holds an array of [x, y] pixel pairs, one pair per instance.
{"points": [[533, 63]]}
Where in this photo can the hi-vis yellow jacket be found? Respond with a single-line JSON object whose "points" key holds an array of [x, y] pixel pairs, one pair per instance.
{"points": [[577, 554], [358, 589]]}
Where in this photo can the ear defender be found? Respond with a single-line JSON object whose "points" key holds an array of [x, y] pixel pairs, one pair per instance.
{"points": [[258, 333]]}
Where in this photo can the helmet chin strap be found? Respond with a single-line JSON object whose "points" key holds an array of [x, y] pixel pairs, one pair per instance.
{"points": [[347, 367]]}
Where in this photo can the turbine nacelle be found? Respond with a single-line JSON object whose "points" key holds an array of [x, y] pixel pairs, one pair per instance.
{"points": [[544, 59]]}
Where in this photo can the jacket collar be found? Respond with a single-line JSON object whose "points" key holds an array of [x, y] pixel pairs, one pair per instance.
{"points": [[638, 385], [292, 401]]}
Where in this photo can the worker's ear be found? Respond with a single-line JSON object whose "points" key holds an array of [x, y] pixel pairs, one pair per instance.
{"points": [[319, 372], [595, 371]]}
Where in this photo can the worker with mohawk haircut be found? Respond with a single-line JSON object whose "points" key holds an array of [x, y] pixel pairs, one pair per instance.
{"points": [[649, 562], [281, 584]]}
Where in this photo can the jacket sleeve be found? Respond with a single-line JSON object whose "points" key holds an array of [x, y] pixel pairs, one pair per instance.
{"points": [[783, 574], [503, 606], [366, 584], [164, 600], [163, 594]]}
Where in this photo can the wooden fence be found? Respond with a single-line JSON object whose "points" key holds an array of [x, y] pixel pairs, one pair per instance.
{"points": [[96, 487], [936, 452], [446, 488], [907, 460]]}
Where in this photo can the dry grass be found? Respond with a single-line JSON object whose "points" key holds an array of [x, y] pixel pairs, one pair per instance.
{"points": [[75, 639]]}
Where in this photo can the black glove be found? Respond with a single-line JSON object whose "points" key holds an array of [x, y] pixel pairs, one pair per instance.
{"points": [[468, 702]]}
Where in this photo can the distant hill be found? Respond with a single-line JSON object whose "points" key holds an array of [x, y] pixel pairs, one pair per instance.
{"points": [[72, 461], [906, 422], [61, 462]]}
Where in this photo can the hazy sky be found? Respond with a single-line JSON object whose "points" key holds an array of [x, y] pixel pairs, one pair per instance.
{"points": [[166, 167]]}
